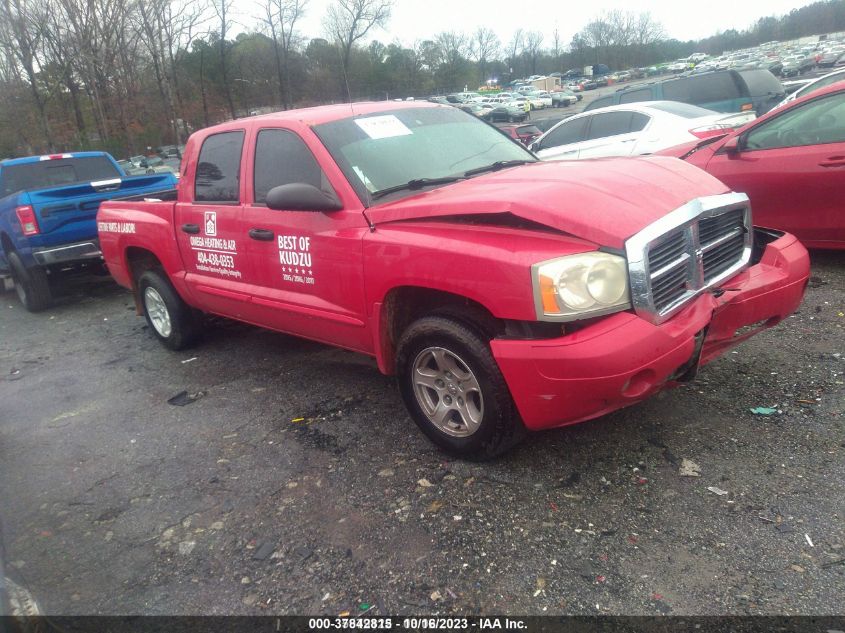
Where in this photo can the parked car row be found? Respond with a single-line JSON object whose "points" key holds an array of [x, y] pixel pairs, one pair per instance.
{"points": [[508, 106], [158, 164], [781, 58]]}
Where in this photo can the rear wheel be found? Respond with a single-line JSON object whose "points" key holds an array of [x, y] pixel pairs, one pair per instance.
{"points": [[31, 284], [173, 321], [454, 390]]}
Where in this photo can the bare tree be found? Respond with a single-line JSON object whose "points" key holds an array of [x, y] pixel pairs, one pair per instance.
{"points": [[485, 46], [94, 30], [223, 10], [180, 25], [348, 21], [556, 48], [56, 38], [622, 35], [533, 48], [281, 17], [22, 37], [515, 48]]}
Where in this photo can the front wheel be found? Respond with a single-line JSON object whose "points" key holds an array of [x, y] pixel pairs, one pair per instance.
{"points": [[454, 390], [173, 321], [31, 284]]}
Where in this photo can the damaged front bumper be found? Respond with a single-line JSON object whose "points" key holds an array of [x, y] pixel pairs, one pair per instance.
{"points": [[623, 359]]}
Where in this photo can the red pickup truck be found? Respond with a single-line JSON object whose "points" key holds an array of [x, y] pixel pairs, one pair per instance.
{"points": [[506, 294]]}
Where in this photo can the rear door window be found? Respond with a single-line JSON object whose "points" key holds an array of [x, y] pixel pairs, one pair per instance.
{"points": [[701, 89], [218, 168], [632, 96], [614, 123], [566, 133], [282, 158], [677, 90], [600, 103]]}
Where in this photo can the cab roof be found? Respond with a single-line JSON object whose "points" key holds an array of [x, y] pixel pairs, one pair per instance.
{"points": [[325, 114]]}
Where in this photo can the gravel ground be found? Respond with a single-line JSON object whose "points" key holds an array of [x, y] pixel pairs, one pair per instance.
{"points": [[296, 484]]}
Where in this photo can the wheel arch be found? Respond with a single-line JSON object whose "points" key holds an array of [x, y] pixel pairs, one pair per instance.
{"points": [[403, 305], [6, 243], [138, 261]]}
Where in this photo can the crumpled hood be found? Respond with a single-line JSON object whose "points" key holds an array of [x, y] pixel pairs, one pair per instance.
{"points": [[605, 200]]}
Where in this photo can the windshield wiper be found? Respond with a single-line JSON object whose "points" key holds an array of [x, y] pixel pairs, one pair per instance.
{"points": [[416, 183], [704, 143], [499, 164]]}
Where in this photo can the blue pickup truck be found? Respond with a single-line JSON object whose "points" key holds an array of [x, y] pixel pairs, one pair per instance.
{"points": [[48, 210]]}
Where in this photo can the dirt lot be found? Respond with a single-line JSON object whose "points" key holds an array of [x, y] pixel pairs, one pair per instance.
{"points": [[297, 484]]}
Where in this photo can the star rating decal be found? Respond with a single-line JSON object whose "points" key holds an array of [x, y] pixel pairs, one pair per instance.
{"points": [[298, 271]]}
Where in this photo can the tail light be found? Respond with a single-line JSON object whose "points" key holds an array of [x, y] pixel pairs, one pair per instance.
{"points": [[746, 107], [27, 219]]}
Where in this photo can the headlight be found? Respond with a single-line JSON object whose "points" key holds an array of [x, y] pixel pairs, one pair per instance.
{"points": [[580, 286]]}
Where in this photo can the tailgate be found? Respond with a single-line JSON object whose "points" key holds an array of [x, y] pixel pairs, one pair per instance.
{"points": [[67, 214]]}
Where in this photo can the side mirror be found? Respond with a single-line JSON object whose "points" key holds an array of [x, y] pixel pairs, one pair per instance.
{"points": [[732, 146], [299, 196]]}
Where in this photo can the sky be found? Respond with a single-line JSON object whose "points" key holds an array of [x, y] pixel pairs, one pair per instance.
{"points": [[421, 19]]}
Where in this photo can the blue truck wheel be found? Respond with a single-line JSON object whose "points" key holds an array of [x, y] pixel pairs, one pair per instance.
{"points": [[31, 284]]}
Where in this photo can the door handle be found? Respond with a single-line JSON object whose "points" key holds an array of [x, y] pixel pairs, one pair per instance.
{"points": [[262, 235], [191, 228]]}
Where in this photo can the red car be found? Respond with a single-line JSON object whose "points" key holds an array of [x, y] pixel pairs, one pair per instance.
{"points": [[525, 134], [791, 164], [505, 293]]}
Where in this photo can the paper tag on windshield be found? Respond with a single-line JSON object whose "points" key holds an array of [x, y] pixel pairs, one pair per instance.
{"points": [[387, 126]]}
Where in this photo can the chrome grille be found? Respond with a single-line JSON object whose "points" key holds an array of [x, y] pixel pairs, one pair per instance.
{"points": [[722, 240], [687, 251]]}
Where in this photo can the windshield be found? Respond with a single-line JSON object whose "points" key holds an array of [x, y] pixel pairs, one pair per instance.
{"points": [[56, 173], [388, 149]]}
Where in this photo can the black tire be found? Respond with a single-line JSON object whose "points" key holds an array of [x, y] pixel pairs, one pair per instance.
{"points": [[501, 427], [30, 283], [185, 323]]}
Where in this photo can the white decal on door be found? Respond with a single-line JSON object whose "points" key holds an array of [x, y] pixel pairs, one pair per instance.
{"points": [[215, 255], [211, 223], [295, 257]]}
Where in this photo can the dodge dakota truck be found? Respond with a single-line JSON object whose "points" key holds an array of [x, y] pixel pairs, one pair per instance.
{"points": [[506, 294], [48, 207]]}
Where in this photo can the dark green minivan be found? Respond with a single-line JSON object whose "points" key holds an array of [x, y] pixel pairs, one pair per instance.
{"points": [[721, 90]]}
